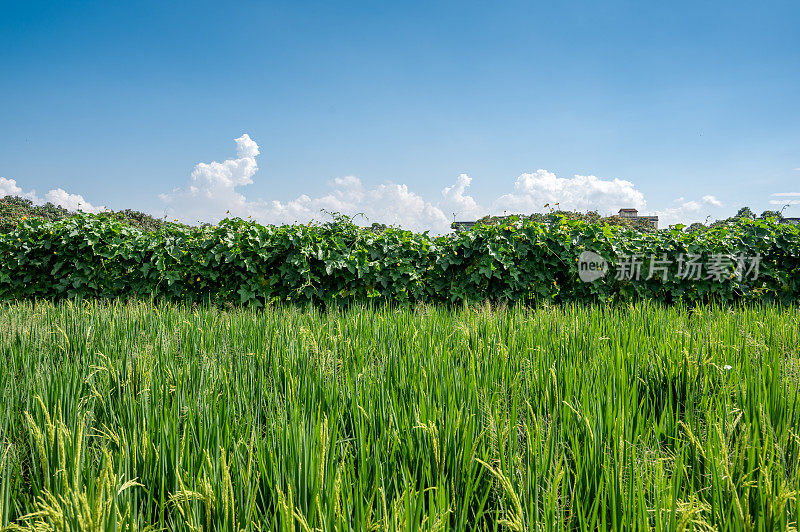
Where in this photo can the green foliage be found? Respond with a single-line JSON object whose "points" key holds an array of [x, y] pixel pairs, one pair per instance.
{"points": [[641, 417], [777, 215], [14, 210], [555, 216], [241, 262], [140, 220], [745, 213]]}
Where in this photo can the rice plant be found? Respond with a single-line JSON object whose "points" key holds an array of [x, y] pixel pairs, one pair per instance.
{"points": [[135, 416]]}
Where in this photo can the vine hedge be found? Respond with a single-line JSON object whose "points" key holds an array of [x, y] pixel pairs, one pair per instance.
{"points": [[242, 262]]}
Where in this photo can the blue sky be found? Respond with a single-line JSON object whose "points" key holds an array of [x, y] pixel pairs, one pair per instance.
{"points": [[378, 107]]}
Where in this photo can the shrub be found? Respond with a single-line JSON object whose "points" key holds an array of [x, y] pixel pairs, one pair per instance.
{"points": [[14, 210], [521, 260]]}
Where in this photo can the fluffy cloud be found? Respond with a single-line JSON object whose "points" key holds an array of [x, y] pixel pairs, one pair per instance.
{"points": [[71, 202], [214, 191], [387, 203], [785, 201], [687, 212], [212, 194], [58, 196], [580, 193], [459, 205], [8, 187]]}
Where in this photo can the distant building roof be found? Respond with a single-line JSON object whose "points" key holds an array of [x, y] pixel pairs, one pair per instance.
{"points": [[462, 226], [633, 213]]}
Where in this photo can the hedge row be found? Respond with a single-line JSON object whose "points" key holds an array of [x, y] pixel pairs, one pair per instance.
{"points": [[520, 260]]}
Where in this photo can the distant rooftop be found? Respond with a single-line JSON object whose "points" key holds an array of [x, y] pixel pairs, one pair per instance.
{"points": [[462, 226], [633, 213]]}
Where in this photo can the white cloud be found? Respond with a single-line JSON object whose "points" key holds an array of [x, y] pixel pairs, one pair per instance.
{"points": [[8, 187], [455, 203], [58, 196], [687, 212], [581, 193], [388, 203], [246, 147], [212, 194], [212, 190], [785, 201], [71, 202]]}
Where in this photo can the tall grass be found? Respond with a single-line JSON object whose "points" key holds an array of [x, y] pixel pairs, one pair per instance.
{"points": [[128, 416]]}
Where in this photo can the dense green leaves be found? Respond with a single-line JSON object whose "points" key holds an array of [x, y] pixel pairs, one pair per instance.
{"points": [[15, 209], [242, 262]]}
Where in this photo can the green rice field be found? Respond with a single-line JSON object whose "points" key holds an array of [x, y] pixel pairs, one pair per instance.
{"points": [[135, 416]]}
